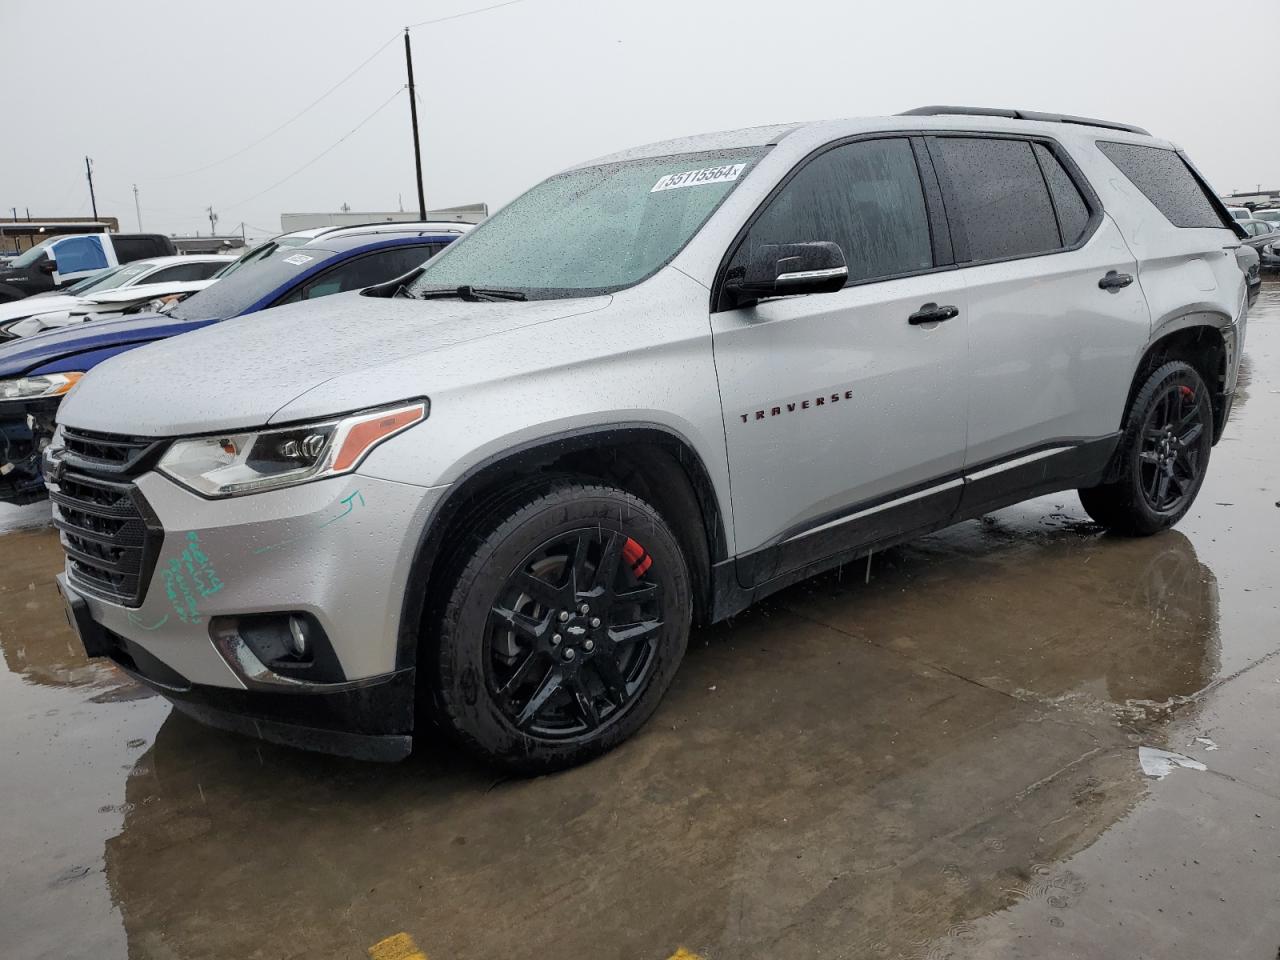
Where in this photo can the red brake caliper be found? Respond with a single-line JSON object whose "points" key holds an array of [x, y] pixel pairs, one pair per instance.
{"points": [[1187, 391], [637, 558]]}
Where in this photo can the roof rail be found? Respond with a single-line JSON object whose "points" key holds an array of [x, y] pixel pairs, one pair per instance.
{"points": [[938, 111], [392, 226]]}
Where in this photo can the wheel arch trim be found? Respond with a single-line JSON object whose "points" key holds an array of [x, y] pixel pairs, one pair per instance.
{"points": [[582, 439]]}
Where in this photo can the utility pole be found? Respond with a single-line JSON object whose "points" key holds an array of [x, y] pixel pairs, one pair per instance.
{"points": [[88, 172], [413, 116], [213, 222], [136, 208]]}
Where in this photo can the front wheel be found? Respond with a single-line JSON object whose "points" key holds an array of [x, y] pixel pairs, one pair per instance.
{"points": [[1164, 454], [564, 626]]}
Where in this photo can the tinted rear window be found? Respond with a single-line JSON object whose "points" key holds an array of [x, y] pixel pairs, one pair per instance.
{"points": [[998, 196], [1073, 212], [1167, 181]]}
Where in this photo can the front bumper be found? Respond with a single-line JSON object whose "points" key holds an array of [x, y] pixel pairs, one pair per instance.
{"points": [[336, 551], [369, 719]]}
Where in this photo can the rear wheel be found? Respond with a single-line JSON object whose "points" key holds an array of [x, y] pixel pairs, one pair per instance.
{"points": [[567, 619], [1164, 455]]}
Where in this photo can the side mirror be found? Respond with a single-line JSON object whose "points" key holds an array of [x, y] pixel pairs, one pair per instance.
{"points": [[49, 266], [784, 269]]}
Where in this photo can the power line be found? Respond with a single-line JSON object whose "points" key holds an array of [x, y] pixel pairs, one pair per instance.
{"points": [[363, 63], [465, 13], [243, 150], [326, 150]]}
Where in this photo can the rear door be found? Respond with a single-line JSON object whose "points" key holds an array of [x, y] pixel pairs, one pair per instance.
{"points": [[845, 421], [1055, 317]]}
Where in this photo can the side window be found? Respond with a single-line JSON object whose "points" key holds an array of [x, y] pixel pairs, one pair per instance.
{"points": [[1166, 180], [999, 197], [79, 253], [865, 196], [1073, 212], [361, 272]]}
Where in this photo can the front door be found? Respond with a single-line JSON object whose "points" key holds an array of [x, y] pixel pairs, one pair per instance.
{"points": [[844, 419]]}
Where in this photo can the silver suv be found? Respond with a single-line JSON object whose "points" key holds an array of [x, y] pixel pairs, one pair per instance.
{"points": [[496, 493]]}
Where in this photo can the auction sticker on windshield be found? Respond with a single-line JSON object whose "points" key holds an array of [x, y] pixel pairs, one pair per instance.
{"points": [[298, 259], [697, 178]]}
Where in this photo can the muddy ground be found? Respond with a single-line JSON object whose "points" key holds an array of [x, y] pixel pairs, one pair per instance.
{"points": [[942, 760]]}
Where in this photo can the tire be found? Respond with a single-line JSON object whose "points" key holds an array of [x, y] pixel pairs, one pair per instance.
{"points": [[1163, 455], [523, 676]]}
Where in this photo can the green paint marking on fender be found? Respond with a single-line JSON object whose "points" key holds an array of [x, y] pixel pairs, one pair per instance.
{"points": [[349, 502], [188, 578]]}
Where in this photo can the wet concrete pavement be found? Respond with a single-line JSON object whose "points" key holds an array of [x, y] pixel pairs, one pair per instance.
{"points": [[942, 761]]}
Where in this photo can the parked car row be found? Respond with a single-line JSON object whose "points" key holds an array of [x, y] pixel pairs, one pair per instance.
{"points": [[115, 290], [37, 371], [61, 261], [490, 496]]}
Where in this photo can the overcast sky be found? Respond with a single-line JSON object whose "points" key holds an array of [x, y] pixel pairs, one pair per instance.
{"points": [[155, 91]]}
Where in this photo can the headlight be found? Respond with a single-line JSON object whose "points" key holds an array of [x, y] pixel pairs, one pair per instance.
{"points": [[231, 464], [33, 388]]}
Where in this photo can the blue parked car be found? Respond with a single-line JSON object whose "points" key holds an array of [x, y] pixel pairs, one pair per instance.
{"points": [[36, 371]]}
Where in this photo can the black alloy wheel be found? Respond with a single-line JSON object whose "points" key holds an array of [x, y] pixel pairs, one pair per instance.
{"points": [[1163, 455], [574, 633], [1169, 460], [565, 618]]}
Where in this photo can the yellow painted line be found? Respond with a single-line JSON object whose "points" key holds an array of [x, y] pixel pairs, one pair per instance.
{"points": [[399, 946], [683, 954]]}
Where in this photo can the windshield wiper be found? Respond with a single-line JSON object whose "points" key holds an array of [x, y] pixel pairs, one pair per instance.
{"points": [[473, 294]]}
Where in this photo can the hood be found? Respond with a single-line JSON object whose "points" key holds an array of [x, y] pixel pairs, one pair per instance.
{"points": [[22, 356], [18, 309], [239, 373], [144, 291]]}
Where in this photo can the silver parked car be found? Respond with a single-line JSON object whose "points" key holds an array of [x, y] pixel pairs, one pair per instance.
{"points": [[657, 387]]}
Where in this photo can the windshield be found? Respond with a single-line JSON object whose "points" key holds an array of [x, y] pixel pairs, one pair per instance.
{"points": [[32, 255], [592, 230], [255, 278], [259, 252], [109, 280], [1268, 215]]}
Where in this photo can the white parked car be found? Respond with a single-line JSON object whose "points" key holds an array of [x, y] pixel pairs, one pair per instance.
{"points": [[113, 291]]}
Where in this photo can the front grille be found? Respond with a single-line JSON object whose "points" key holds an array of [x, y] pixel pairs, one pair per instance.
{"points": [[107, 529], [108, 452]]}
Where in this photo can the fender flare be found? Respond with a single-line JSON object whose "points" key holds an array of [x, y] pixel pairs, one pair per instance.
{"points": [[531, 453]]}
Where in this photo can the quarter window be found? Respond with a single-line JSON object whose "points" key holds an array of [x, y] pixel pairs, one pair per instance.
{"points": [[866, 197], [1073, 212], [997, 197], [1166, 180]]}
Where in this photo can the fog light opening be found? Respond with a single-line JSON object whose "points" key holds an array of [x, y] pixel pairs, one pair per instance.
{"points": [[298, 644]]}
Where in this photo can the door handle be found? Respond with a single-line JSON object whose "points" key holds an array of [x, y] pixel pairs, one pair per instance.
{"points": [[1114, 281], [932, 313]]}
